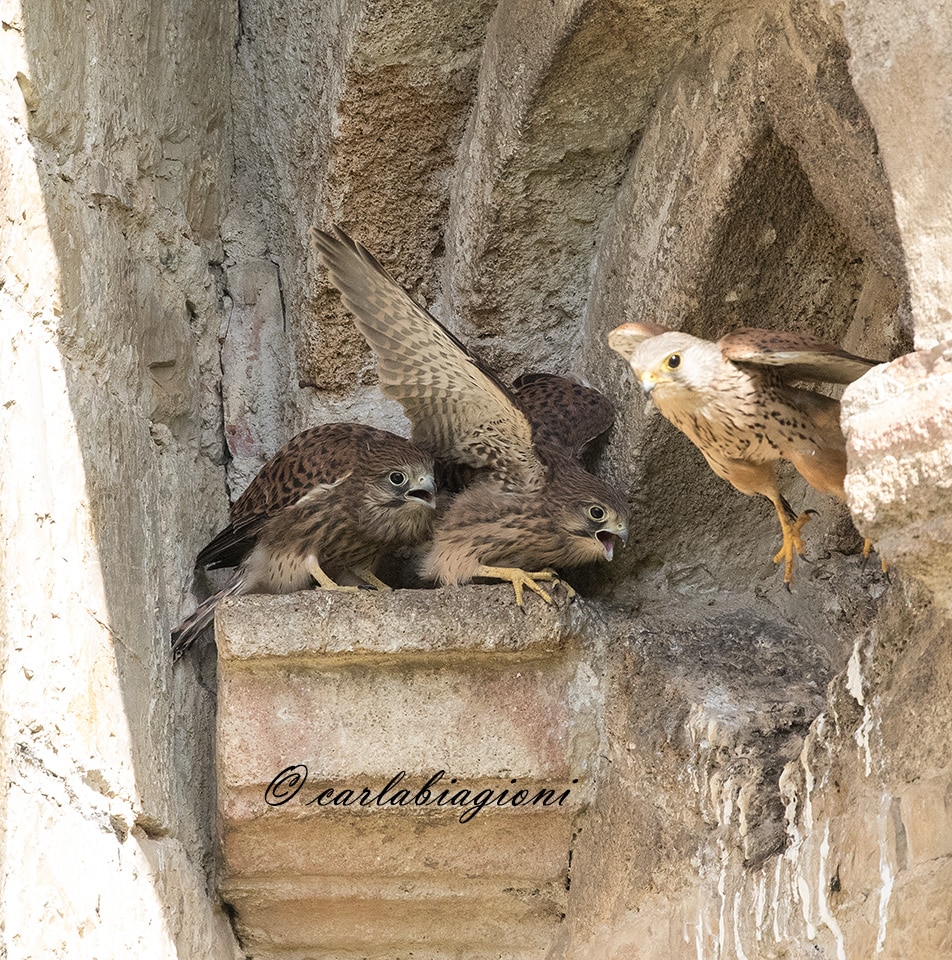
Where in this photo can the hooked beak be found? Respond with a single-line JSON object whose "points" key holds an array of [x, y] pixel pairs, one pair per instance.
{"points": [[423, 491], [648, 382], [606, 538]]}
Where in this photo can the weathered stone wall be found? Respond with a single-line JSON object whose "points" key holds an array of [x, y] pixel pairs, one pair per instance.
{"points": [[772, 777], [115, 138]]}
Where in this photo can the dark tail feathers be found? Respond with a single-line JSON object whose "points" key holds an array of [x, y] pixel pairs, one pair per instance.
{"points": [[188, 631]]}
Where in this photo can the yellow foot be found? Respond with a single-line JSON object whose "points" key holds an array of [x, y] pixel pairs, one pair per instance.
{"points": [[792, 544], [522, 578], [323, 580], [368, 576], [868, 549]]}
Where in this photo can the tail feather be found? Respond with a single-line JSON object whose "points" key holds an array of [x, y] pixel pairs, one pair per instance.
{"points": [[188, 631]]}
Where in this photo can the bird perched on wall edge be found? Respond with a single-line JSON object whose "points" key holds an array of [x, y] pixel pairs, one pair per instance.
{"points": [[735, 400], [532, 509], [328, 506]]}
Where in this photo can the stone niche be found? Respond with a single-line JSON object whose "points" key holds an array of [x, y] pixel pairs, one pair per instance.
{"points": [[754, 769], [760, 774]]}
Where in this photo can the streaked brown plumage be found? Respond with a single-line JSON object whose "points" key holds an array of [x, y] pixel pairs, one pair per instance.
{"points": [[563, 412], [734, 400], [532, 509], [328, 506]]}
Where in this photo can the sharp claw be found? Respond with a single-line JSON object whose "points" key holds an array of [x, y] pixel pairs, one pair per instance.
{"points": [[792, 543], [521, 579]]}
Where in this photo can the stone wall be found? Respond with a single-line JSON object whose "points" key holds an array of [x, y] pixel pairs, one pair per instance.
{"points": [[116, 157], [773, 778]]}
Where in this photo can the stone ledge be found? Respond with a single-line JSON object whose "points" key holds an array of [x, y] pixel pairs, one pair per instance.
{"points": [[368, 624], [332, 696]]}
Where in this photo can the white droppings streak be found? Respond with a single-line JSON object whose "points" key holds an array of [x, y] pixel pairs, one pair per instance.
{"points": [[722, 896], [760, 905], [887, 877], [778, 873], [862, 739], [738, 944], [808, 784], [823, 904], [854, 676], [806, 899]]}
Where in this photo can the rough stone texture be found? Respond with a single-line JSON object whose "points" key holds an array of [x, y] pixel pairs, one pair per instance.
{"points": [[351, 691], [114, 153], [900, 447], [772, 770]]}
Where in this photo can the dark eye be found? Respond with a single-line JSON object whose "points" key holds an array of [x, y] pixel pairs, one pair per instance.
{"points": [[596, 513], [673, 362], [397, 478]]}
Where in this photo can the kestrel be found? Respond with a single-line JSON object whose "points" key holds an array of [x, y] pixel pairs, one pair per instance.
{"points": [[330, 505], [735, 401], [531, 509], [563, 412]]}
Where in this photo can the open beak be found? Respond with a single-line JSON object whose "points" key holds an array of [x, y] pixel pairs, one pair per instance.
{"points": [[423, 491], [606, 538]]}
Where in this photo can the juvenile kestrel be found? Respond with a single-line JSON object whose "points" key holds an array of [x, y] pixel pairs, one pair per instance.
{"points": [[734, 401], [329, 505], [563, 412], [532, 509]]}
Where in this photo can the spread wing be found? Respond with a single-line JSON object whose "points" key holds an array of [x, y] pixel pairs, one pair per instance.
{"points": [[313, 463], [563, 412], [800, 356], [458, 409]]}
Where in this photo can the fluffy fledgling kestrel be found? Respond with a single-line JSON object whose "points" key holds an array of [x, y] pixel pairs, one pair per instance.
{"points": [[531, 509], [329, 505], [735, 401]]}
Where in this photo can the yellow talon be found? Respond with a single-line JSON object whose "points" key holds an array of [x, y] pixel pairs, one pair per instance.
{"points": [[522, 578], [868, 549], [323, 580], [369, 577], [792, 543]]}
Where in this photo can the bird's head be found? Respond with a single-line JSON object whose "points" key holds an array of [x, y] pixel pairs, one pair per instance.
{"points": [[400, 502], [605, 524], [594, 516], [667, 364], [411, 485]]}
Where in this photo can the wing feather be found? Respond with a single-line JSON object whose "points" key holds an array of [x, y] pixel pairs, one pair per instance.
{"points": [[801, 356], [623, 339], [308, 466], [563, 412], [458, 409]]}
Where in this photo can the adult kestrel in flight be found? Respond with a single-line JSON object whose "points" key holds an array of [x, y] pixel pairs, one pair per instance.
{"points": [[330, 505], [735, 401], [531, 509]]}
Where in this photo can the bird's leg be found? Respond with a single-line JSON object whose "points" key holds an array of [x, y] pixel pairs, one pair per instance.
{"points": [[323, 580], [790, 525], [868, 549], [368, 576], [522, 578]]}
